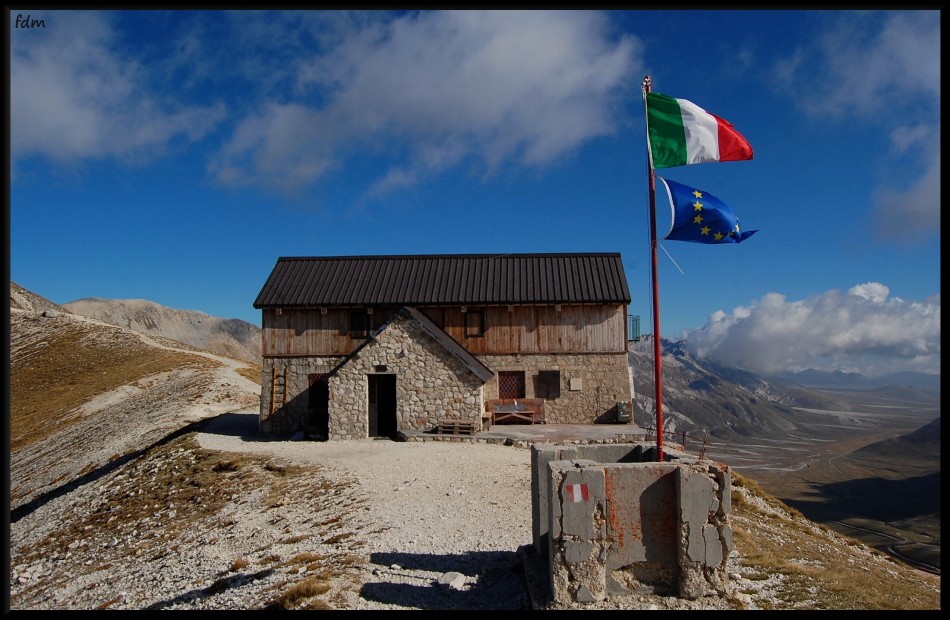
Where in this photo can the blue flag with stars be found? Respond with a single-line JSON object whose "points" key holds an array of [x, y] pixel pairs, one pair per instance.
{"points": [[700, 217]]}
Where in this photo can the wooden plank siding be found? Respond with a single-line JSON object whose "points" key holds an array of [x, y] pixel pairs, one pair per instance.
{"points": [[523, 329]]}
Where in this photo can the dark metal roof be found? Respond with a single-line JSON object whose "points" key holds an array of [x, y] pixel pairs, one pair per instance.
{"points": [[311, 281]]}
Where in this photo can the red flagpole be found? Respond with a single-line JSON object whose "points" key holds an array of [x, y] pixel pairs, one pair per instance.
{"points": [[657, 354]]}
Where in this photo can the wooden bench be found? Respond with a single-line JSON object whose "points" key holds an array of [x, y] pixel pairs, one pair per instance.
{"points": [[452, 426], [516, 410]]}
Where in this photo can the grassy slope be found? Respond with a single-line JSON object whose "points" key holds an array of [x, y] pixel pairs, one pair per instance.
{"points": [[57, 364]]}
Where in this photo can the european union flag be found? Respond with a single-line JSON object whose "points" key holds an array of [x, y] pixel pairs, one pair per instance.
{"points": [[701, 217]]}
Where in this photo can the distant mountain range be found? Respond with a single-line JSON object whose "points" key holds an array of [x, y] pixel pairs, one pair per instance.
{"points": [[857, 381], [701, 396], [232, 338]]}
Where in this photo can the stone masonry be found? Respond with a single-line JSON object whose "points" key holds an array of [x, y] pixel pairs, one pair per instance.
{"points": [[431, 384], [591, 384]]}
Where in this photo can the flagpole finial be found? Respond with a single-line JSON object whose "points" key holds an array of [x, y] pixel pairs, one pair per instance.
{"points": [[646, 82]]}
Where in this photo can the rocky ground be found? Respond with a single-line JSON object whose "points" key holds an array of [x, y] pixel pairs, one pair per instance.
{"points": [[215, 519]]}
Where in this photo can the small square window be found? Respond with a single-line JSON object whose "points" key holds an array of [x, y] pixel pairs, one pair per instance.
{"points": [[511, 384], [547, 384], [359, 325]]}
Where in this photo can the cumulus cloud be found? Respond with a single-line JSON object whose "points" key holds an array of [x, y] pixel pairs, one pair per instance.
{"points": [[439, 88], [882, 67], [72, 96], [861, 330]]}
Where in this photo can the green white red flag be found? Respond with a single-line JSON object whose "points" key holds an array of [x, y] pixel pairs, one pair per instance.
{"points": [[681, 133]]}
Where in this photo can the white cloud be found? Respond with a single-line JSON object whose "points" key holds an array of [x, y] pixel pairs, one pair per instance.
{"points": [[441, 87], [282, 146], [861, 330], [73, 97], [868, 62], [905, 215], [881, 67]]}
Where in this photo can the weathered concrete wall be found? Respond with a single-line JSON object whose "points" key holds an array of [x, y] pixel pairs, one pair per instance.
{"points": [[611, 521]]}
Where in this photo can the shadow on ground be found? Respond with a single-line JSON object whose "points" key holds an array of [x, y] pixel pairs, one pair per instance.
{"points": [[238, 424], [493, 580]]}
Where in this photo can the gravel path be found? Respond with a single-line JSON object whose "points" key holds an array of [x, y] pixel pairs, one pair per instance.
{"points": [[450, 521], [447, 512]]}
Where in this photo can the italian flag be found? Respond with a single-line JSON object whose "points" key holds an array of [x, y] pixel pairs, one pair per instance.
{"points": [[680, 133]]}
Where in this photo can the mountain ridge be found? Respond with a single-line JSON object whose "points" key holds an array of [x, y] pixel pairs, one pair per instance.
{"points": [[233, 338]]}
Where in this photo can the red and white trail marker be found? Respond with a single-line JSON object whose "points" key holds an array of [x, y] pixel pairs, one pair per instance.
{"points": [[577, 493]]}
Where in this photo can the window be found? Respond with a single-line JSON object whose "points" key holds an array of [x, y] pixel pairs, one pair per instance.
{"points": [[359, 324], [511, 384], [548, 384], [474, 324]]}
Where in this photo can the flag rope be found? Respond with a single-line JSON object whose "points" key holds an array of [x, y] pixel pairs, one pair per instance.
{"points": [[670, 256]]}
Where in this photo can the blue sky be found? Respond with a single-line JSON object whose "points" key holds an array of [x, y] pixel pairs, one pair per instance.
{"points": [[175, 155]]}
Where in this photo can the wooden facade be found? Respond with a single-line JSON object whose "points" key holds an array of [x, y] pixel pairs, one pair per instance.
{"points": [[406, 342], [482, 330]]}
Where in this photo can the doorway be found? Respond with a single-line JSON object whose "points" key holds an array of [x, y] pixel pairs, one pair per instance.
{"points": [[318, 402], [382, 406]]}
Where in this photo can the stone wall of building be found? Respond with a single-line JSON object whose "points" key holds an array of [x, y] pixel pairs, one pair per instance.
{"points": [[431, 384], [291, 406], [591, 385]]}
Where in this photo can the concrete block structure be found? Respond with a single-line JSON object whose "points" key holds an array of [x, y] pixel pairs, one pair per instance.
{"points": [[610, 520]]}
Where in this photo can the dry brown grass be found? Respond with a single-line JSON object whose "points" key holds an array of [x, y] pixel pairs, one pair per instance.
{"points": [[239, 563], [252, 372], [820, 569], [294, 539], [308, 588], [71, 363], [306, 557], [107, 604]]}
